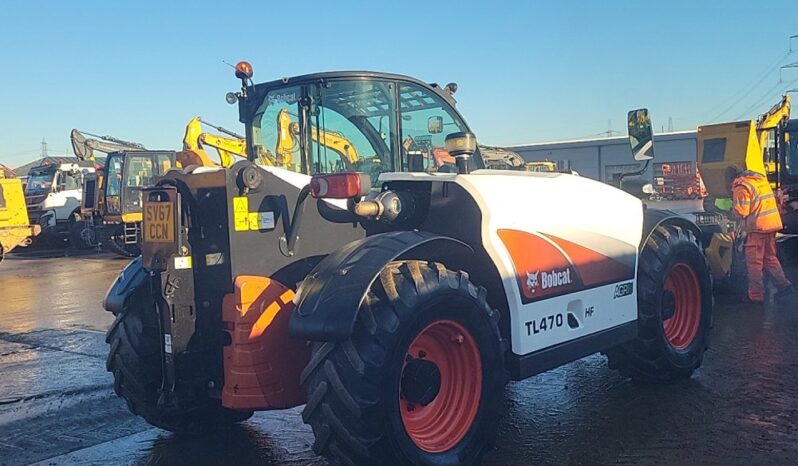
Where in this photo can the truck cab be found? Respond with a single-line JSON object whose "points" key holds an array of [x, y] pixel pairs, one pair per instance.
{"points": [[52, 195]]}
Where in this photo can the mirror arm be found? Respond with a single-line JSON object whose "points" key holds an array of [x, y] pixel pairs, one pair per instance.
{"points": [[637, 173]]}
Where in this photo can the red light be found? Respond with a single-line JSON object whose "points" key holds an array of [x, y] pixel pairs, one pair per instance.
{"points": [[340, 185], [244, 70]]}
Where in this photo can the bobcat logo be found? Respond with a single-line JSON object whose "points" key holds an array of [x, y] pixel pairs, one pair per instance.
{"points": [[532, 281]]}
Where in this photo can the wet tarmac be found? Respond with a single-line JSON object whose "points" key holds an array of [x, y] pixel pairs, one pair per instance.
{"points": [[57, 404]]}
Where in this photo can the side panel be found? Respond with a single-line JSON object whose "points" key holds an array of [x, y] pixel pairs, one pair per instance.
{"points": [[566, 248]]}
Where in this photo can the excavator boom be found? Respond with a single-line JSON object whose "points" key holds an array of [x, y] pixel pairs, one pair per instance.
{"points": [[288, 131], [84, 147], [777, 114], [195, 140]]}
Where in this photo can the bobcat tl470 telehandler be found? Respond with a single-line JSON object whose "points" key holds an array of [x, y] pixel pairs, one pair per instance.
{"points": [[419, 299]]}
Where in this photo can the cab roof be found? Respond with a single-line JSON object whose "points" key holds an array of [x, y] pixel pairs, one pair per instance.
{"points": [[307, 78]]}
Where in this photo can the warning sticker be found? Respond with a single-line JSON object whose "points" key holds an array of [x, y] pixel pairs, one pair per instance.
{"points": [[261, 220], [182, 262], [241, 213]]}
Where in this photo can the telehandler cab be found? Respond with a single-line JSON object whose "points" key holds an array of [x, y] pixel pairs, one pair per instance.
{"points": [[419, 299]]}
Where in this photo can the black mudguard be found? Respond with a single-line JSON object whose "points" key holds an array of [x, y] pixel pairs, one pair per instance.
{"points": [[652, 218], [331, 295], [132, 279]]}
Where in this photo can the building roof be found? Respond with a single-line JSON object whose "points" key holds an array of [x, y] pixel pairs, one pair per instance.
{"points": [[602, 141]]}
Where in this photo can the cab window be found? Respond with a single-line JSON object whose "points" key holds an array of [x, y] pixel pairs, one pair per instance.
{"points": [[426, 120], [791, 159], [69, 181], [350, 126], [276, 138], [113, 176]]}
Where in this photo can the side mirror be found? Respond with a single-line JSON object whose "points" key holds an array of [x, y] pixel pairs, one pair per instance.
{"points": [[435, 125], [641, 136]]}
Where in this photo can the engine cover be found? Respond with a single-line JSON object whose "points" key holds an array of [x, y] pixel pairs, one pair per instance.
{"points": [[565, 247]]}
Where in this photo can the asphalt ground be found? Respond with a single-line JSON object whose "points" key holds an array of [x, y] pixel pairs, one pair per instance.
{"points": [[57, 404]]}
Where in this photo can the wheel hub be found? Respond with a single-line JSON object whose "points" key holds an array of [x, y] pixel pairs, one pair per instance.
{"points": [[421, 381]]}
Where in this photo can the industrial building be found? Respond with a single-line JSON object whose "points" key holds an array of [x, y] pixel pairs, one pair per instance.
{"points": [[601, 158]]}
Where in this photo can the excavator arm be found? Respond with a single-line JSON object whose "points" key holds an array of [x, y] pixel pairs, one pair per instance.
{"points": [[288, 131], [339, 144], [84, 147], [777, 115], [226, 147], [195, 140]]}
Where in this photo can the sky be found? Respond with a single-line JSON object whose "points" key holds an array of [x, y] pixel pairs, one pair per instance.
{"points": [[528, 71]]}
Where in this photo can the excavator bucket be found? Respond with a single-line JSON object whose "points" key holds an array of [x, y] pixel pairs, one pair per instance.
{"points": [[723, 145], [79, 147]]}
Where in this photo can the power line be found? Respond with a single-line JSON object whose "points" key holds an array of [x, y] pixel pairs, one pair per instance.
{"points": [[767, 95], [751, 89]]}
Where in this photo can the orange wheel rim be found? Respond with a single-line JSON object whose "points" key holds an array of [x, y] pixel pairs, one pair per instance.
{"points": [[439, 422], [682, 326]]}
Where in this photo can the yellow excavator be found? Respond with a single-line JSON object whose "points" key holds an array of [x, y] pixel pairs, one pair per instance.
{"points": [[195, 140], [287, 144], [746, 144], [15, 227], [750, 145]]}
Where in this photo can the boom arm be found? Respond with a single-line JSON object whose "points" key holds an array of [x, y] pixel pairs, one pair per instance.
{"points": [[195, 139], [777, 115], [288, 130], [84, 147]]}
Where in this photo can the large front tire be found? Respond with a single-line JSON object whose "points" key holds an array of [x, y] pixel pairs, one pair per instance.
{"points": [[134, 359], [420, 381], [674, 293]]}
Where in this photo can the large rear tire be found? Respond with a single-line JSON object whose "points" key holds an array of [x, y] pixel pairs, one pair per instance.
{"points": [[420, 381], [135, 361], [674, 293]]}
